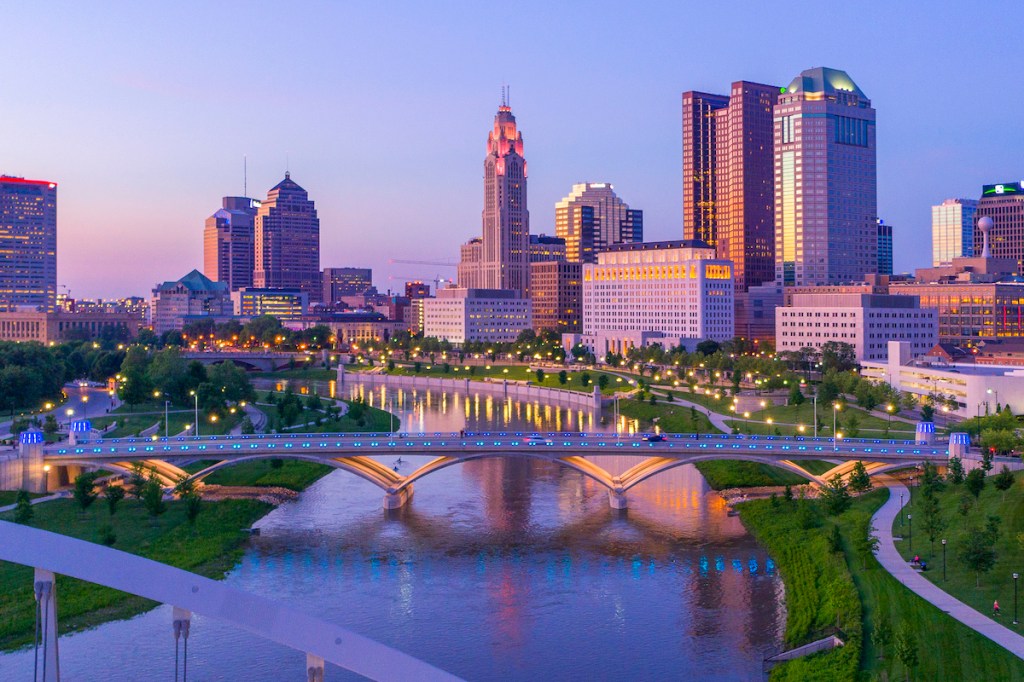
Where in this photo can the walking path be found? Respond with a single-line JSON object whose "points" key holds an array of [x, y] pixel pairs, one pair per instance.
{"points": [[900, 569]]}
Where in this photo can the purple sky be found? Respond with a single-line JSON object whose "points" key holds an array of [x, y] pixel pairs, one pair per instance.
{"points": [[143, 113]]}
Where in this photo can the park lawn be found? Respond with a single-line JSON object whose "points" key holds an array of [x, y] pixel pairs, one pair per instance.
{"points": [[211, 548], [869, 425], [11, 496], [135, 418], [961, 582], [719, 405], [672, 417]]}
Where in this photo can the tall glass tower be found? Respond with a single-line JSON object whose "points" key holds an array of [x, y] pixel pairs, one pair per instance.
{"points": [[287, 245], [953, 230], [825, 181], [592, 217], [28, 244]]}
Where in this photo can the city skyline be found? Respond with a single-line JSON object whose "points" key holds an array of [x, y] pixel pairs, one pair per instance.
{"points": [[143, 127]]}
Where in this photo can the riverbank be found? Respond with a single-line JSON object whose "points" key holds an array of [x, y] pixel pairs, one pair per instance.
{"points": [[820, 585]]}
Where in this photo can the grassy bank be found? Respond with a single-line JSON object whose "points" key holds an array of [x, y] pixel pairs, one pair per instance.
{"points": [[818, 584], [131, 420], [211, 547], [979, 591]]}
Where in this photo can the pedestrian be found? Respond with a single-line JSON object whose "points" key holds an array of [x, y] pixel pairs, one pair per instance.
{"points": [[995, 608]]}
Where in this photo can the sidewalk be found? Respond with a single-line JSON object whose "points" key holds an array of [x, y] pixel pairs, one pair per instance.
{"points": [[900, 569]]}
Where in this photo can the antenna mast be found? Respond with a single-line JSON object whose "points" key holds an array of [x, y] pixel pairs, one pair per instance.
{"points": [[245, 175]]}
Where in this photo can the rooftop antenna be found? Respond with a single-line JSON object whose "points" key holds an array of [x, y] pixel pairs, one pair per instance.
{"points": [[508, 94], [245, 175], [287, 166]]}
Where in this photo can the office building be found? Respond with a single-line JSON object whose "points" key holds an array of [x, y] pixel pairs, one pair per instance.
{"points": [[502, 258], [556, 292], [728, 177], [61, 325], [1004, 204], [592, 217], [865, 321], [953, 230], [544, 248], [673, 293], [459, 315], [287, 246], [229, 242], [417, 289], [283, 304], [825, 181], [884, 242], [193, 296], [469, 274], [339, 282], [28, 244]]}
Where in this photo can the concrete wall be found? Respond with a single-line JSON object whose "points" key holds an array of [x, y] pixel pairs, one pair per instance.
{"points": [[504, 389], [11, 470]]}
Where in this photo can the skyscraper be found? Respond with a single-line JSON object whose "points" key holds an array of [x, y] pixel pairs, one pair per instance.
{"points": [[1004, 204], [338, 282], [728, 179], [287, 246], [228, 243], [592, 217], [504, 260], [884, 241], [28, 244], [825, 184], [953, 230]]}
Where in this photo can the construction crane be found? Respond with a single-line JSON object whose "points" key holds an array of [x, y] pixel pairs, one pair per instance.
{"points": [[443, 264]]}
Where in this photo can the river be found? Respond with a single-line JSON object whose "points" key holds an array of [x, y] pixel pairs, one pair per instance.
{"points": [[499, 569]]}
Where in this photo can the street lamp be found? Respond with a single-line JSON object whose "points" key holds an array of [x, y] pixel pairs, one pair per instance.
{"points": [[889, 408], [196, 396], [814, 397], [835, 439], [991, 392], [944, 560], [1015, 576], [910, 523], [901, 507], [70, 413], [166, 426]]}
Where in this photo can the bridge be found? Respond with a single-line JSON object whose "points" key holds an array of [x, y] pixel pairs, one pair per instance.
{"points": [[360, 453], [259, 361], [52, 553]]}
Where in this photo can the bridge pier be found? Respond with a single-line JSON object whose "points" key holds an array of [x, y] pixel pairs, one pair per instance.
{"points": [[33, 471], [394, 500], [314, 668], [960, 445], [617, 500], [46, 602]]}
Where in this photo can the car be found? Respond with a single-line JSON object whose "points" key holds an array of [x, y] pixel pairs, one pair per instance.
{"points": [[538, 440], [654, 438]]}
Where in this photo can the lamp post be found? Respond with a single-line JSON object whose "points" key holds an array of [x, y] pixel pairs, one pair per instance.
{"points": [[166, 426], [814, 397], [85, 407], [901, 507], [1015, 576], [196, 396], [889, 408], [944, 560], [835, 438], [910, 523]]}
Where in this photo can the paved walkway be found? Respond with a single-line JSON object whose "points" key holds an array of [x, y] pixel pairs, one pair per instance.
{"points": [[900, 569]]}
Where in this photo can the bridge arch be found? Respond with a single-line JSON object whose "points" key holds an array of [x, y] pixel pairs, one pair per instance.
{"points": [[167, 473], [653, 466], [577, 463], [364, 467]]}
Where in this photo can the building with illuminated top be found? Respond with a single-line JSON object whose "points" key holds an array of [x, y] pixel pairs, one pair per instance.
{"points": [[825, 181], [228, 242], [283, 304], [1004, 204], [28, 244], [287, 245], [592, 217], [675, 293], [953, 230], [501, 258]]}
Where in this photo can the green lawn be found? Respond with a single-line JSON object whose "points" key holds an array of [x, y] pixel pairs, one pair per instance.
{"points": [[947, 650], [10, 497], [134, 419], [210, 548], [869, 425], [961, 582]]}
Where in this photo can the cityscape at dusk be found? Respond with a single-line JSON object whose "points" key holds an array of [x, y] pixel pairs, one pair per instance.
{"points": [[347, 340]]}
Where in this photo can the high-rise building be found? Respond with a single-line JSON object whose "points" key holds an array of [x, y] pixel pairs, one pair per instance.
{"points": [[175, 304], [544, 248], [825, 181], [884, 241], [339, 282], [469, 274], [417, 289], [592, 217], [556, 292], [228, 242], [1004, 204], [953, 230], [728, 177], [504, 247], [28, 244], [287, 242]]}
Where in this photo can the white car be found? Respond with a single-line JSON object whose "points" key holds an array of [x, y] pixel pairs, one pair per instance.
{"points": [[537, 439]]}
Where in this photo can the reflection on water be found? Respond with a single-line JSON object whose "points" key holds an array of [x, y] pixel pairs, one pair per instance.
{"points": [[498, 569]]}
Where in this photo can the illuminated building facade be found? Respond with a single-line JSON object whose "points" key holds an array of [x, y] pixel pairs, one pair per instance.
{"points": [[865, 321], [280, 303], [1004, 204], [556, 291], [545, 248], [970, 312], [673, 293], [28, 244], [884, 248], [461, 315], [229, 242], [592, 217], [825, 181], [953, 230], [54, 327], [339, 282], [728, 177], [287, 245]]}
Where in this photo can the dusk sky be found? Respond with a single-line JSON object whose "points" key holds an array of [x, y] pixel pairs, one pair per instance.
{"points": [[143, 112]]}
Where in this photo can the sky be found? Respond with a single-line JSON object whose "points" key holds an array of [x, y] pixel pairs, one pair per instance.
{"points": [[143, 113]]}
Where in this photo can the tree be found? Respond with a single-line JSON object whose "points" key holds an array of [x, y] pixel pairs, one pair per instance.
{"points": [[137, 480], [835, 495], [787, 493], [1003, 481], [965, 504], [866, 542], [563, 377], [585, 378], [84, 493], [955, 471], [852, 426], [975, 482], [107, 535], [707, 347], [838, 356], [153, 497], [114, 495], [796, 397], [860, 481], [866, 397], [976, 552], [540, 375], [23, 511], [882, 636], [906, 648], [835, 539], [932, 521], [931, 482], [602, 381], [193, 505], [927, 412], [999, 441], [50, 425]]}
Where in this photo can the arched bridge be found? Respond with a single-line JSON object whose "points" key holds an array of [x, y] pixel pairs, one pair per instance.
{"points": [[266, 361], [360, 453]]}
